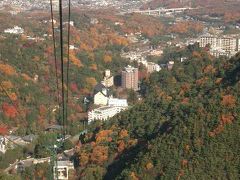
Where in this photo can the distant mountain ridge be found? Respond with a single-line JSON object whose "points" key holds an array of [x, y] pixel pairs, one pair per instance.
{"points": [[97, 4], [180, 3]]}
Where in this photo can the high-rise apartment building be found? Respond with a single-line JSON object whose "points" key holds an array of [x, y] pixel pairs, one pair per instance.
{"points": [[130, 78]]}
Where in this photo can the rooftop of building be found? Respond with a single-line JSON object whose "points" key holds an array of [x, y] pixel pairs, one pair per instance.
{"points": [[64, 163], [13, 137], [103, 108], [228, 36], [99, 87], [102, 89], [117, 100], [130, 68], [54, 127], [30, 137]]}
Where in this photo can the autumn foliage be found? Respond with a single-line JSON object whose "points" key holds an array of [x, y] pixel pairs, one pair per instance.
{"points": [[99, 154], [227, 119], [107, 58], [202, 81], [7, 69], [3, 129], [149, 166], [74, 87], [6, 85], [228, 101], [103, 136], [13, 96], [123, 133], [26, 77], [184, 88], [96, 36], [83, 159], [75, 60], [231, 16], [93, 67], [186, 26], [121, 146], [9, 110], [209, 69], [224, 120], [145, 24], [133, 176], [91, 81]]}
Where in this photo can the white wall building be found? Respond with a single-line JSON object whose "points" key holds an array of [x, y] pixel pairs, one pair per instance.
{"points": [[224, 43], [132, 55], [14, 30], [117, 102], [61, 170], [152, 67], [219, 52], [72, 47], [101, 95], [2, 144], [101, 98], [228, 45], [104, 113], [71, 23]]}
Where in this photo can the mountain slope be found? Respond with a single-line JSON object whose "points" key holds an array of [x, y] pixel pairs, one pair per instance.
{"points": [[187, 127]]}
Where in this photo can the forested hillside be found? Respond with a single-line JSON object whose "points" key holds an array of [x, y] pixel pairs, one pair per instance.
{"points": [[185, 125], [187, 128], [27, 69]]}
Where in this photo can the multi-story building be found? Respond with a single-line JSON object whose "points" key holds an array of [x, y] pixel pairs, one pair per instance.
{"points": [[105, 112], [219, 52], [61, 169], [101, 95], [228, 44], [108, 79], [152, 67], [130, 78]]}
